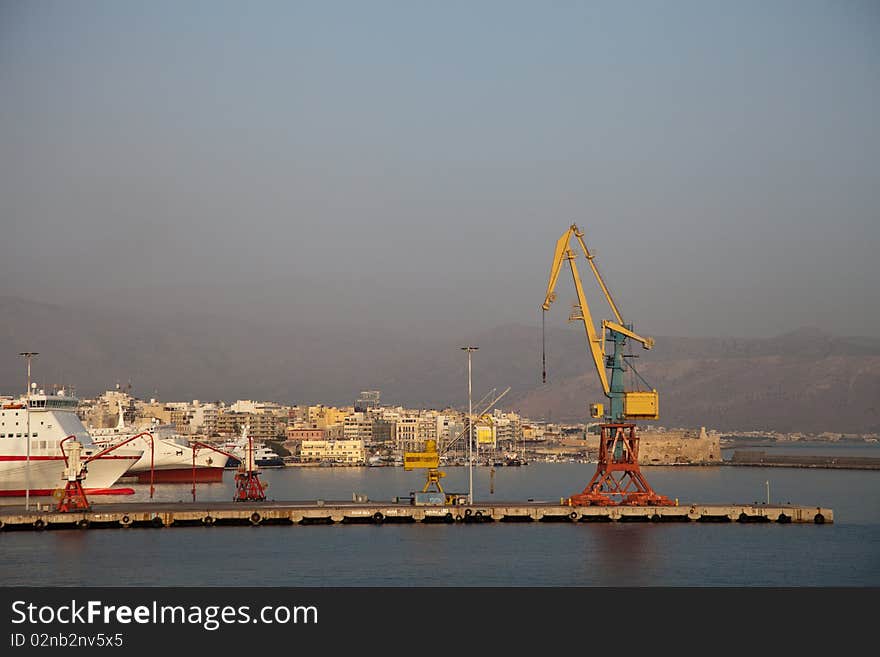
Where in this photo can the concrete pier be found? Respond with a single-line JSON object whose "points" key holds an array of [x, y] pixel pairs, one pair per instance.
{"points": [[318, 512]]}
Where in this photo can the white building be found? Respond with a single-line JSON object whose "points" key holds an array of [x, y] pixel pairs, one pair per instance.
{"points": [[357, 426], [249, 406]]}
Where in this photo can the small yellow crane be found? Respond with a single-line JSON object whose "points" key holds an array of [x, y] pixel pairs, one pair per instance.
{"points": [[429, 457]]}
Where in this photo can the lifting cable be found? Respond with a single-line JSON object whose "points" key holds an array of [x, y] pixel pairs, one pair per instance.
{"points": [[628, 360], [543, 346], [641, 378]]}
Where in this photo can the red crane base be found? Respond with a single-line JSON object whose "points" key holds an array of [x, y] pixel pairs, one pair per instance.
{"points": [[73, 498], [248, 487], [618, 479]]}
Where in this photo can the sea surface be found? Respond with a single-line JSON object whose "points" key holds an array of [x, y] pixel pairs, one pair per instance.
{"points": [[846, 553]]}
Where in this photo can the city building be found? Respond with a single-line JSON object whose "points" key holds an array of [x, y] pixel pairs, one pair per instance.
{"points": [[295, 434], [358, 426], [367, 400], [347, 452]]}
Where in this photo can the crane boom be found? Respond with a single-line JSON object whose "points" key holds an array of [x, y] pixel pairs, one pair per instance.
{"points": [[565, 252], [590, 258], [624, 404], [647, 343], [485, 410]]}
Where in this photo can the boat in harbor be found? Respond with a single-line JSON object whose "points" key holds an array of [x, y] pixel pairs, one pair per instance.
{"points": [[173, 459], [46, 420], [264, 457]]}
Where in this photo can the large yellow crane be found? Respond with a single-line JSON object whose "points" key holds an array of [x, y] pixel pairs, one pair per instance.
{"points": [[618, 479]]}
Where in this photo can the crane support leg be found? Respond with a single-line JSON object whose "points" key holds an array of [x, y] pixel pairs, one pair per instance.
{"points": [[618, 479], [248, 487], [73, 498], [433, 479]]}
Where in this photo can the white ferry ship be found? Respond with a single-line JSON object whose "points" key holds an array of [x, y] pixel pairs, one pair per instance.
{"points": [[46, 420]]}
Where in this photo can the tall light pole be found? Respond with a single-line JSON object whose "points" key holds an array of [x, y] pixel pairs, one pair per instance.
{"points": [[27, 472], [470, 349]]}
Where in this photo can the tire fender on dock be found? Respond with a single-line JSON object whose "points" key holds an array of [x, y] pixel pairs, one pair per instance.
{"points": [[256, 519]]}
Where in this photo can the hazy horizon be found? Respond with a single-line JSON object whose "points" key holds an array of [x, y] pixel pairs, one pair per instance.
{"points": [[408, 168]]}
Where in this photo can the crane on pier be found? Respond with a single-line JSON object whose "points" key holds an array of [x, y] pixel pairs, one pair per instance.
{"points": [[618, 478], [429, 458]]}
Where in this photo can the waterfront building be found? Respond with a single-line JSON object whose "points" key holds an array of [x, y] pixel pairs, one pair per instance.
{"points": [[347, 452]]}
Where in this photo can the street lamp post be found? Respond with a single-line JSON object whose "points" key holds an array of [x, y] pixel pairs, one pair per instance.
{"points": [[470, 349], [27, 472]]}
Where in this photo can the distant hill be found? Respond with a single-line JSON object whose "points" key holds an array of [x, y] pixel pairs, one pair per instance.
{"points": [[791, 392], [802, 381]]}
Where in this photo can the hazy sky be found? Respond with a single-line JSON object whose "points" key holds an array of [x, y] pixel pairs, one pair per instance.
{"points": [[413, 163]]}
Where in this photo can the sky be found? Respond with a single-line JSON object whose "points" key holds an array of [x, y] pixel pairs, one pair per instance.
{"points": [[410, 165]]}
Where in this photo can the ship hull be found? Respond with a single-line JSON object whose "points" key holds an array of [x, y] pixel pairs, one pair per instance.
{"points": [[181, 476], [44, 475], [172, 463]]}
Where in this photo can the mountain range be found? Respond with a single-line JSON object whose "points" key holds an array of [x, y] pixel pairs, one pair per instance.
{"points": [[806, 380]]}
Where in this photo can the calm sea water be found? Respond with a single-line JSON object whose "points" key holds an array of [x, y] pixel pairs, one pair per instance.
{"points": [[846, 553]]}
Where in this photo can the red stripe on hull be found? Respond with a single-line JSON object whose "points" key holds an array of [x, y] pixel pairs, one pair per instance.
{"points": [[48, 492], [181, 476], [61, 458]]}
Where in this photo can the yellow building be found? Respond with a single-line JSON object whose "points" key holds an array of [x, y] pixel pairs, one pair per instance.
{"points": [[346, 452], [322, 417], [156, 410]]}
